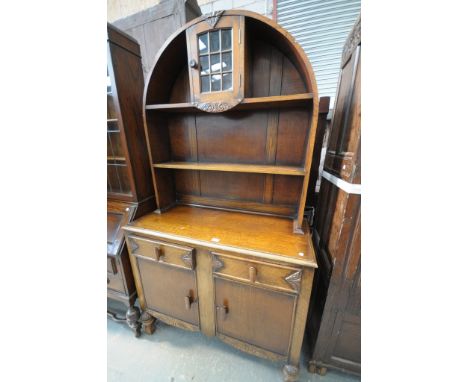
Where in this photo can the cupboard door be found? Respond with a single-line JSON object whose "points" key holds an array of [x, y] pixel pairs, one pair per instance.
{"points": [[257, 316], [118, 175], [169, 290], [216, 63]]}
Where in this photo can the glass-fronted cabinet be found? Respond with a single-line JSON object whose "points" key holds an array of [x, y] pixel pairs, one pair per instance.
{"points": [[118, 181], [216, 55], [129, 184]]}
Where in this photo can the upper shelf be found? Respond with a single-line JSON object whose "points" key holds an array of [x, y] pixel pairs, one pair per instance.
{"points": [[234, 167], [303, 99]]}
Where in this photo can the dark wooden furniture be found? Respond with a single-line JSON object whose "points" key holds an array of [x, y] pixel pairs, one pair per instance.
{"points": [[152, 26], [231, 110], [334, 325], [129, 184]]}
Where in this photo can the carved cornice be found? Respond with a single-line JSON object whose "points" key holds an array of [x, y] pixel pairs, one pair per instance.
{"points": [[353, 40], [217, 263], [214, 107], [187, 258], [294, 279], [212, 18]]}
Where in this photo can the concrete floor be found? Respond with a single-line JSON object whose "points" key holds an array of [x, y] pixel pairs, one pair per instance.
{"points": [[175, 355]]}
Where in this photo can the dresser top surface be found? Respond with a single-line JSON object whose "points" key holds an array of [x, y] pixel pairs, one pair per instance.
{"points": [[256, 235]]}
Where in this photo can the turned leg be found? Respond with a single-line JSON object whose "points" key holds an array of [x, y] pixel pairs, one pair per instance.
{"points": [[314, 369], [290, 373], [148, 322], [133, 315]]}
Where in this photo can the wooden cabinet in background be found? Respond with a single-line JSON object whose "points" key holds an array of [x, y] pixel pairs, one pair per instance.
{"points": [[152, 26], [129, 184], [334, 325], [231, 111]]}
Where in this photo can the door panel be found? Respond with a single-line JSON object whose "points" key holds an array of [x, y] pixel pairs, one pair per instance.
{"points": [[257, 316], [169, 290]]}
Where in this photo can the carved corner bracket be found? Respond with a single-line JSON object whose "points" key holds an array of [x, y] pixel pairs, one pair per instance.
{"points": [[294, 279], [212, 18], [133, 244], [215, 107], [188, 259], [217, 263]]}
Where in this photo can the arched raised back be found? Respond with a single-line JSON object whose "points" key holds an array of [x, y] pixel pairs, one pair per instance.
{"points": [[285, 42], [246, 149]]}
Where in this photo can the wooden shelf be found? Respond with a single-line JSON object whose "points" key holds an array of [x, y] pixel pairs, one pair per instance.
{"points": [[178, 107], [303, 99], [120, 159], [276, 101], [112, 120], [234, 167]]}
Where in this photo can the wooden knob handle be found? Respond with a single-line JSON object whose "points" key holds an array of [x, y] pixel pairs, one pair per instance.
{"points": [[223, 311], [193, 63], [158, 254], [252, 274]]}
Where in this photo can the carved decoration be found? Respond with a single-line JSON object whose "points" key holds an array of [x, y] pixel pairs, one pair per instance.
{"points": [[217, 263], [354, 39], [215, 107], [212, 18], [294, 279], [133, 244], [188, 259]]}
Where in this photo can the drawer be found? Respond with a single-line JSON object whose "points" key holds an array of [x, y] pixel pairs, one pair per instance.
{"points": [[256, 272], [115, 282], [162, 252]]}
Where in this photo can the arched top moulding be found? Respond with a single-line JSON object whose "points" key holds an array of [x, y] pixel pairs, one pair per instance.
{"points": [[208, 66]]}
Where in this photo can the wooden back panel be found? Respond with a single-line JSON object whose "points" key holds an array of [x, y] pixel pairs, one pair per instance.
{"points": [[276, 135]]}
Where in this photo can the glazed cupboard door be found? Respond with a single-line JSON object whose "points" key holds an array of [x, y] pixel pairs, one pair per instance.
{"points": [[257, 316], [118, 178], [216, 61]]}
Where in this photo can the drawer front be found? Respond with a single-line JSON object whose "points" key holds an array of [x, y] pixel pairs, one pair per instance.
{"points": [[255, 272], [115, 282], [162, 252]]}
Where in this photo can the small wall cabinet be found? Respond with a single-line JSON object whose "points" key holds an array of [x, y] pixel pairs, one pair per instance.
{"points": [[216, 57], [231, 110], [129, 190]]}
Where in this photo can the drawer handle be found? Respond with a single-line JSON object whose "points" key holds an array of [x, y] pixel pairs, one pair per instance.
{"points": [[252, 274], [223, 310], [158, 254], [113, 266], [189, 302]]}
